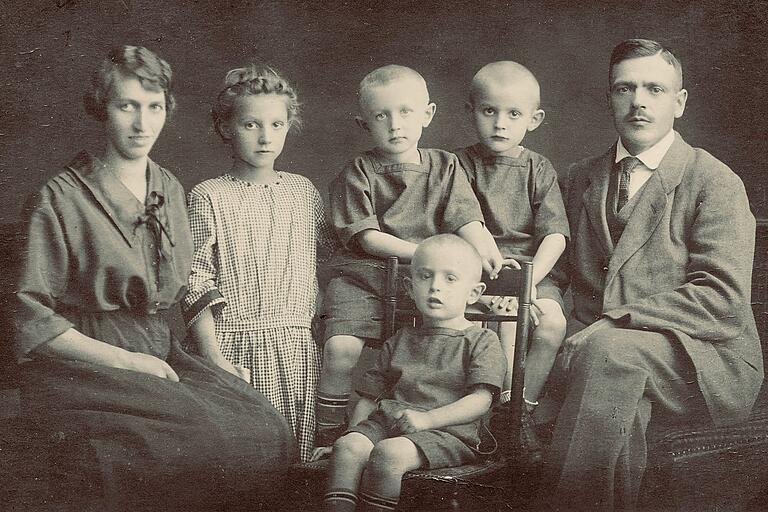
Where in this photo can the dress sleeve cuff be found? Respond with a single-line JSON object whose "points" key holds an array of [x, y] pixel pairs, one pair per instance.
{"points": [[211, 299], [32, 334]]}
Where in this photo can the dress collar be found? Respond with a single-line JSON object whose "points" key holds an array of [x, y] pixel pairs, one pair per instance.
{"points": [[120, 205]]}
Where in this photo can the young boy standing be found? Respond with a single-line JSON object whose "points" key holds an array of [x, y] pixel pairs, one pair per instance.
{"points": [[382, 204], [522, 206], [421, 403]]}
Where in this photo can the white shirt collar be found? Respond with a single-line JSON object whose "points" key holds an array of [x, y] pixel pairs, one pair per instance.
{"points": [[652, 156]]}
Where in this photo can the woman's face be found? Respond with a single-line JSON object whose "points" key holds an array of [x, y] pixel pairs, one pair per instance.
{"points": [[135, 118]]}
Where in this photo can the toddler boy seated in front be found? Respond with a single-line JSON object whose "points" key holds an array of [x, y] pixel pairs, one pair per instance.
{"points": [[523, 210], [422, 402], [382, 204]]}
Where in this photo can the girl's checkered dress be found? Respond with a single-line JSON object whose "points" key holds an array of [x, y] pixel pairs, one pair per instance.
{"points": [[254, 266]]}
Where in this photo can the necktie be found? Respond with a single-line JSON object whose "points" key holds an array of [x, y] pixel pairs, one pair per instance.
{"points": [[627, 164]]}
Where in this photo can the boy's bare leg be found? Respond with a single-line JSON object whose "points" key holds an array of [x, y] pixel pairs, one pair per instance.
{"points": [[348, 459], [546, 341], [340, 355], [382, 479]]}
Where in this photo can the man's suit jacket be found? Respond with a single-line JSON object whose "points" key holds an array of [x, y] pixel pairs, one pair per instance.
{"points": [[682, 267]]}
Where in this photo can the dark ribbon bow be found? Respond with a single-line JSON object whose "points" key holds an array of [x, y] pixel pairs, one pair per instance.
{"points": [[151, 218]]}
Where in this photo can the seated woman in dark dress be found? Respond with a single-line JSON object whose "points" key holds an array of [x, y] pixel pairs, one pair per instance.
{"points": [[107, 253]]}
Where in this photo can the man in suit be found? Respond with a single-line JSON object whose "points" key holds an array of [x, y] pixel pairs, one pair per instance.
{"points": [[660, 263]]}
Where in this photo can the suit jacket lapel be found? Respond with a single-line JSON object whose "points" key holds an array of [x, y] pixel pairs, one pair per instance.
{"points": [[650, 206], [594, 198]]}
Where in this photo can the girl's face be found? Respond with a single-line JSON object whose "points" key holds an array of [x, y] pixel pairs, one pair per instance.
{"points": [[135, 118], [258, 128]]}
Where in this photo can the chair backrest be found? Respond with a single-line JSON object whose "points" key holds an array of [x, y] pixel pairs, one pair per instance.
{"points": [[511, 282]]}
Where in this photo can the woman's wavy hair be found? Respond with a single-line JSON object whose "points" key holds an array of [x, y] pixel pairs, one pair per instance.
{"points": [[251, 80], [153, 73]]}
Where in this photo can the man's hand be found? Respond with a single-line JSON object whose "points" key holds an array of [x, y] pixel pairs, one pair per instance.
{"points": [[410, 421], [574, 343]]}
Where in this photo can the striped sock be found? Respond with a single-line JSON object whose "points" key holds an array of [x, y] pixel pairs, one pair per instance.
{"points": [[340, 500], [331, 411], [373, 503]]}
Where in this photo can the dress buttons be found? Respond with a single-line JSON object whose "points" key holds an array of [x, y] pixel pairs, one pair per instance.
{"points": [[605, 268]]}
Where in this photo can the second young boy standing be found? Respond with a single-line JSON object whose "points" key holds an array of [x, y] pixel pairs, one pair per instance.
{"points": [[522, 205], [383, 204]]}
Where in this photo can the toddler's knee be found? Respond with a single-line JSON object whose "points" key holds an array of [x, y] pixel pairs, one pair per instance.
{"points": [[342, 352], [386, 459]]}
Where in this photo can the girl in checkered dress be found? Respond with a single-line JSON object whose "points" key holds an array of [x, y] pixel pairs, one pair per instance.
{"points": [[253, 287]]}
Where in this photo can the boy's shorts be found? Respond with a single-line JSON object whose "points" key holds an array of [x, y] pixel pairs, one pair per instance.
{"points": [[353, 303], [440, 449], [546, 289]]}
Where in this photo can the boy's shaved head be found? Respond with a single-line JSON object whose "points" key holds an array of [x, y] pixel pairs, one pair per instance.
{"points": [[391, 73], [505, 73], [454, 245]]}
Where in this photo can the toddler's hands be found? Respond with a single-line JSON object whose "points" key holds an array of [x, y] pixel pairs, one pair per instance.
{"points": [[321, 452], [410, 421]]}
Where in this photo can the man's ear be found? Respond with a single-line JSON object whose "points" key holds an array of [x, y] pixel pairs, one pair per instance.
{"points": [[429, 114], [476, 293], [536, 119], [680, 99], [361, 123]]}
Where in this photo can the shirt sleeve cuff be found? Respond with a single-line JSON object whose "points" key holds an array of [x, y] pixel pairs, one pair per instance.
{"points": [[348, 232]]}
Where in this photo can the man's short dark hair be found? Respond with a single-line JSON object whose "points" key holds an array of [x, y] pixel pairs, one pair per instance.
{"points": [[635, 48]]}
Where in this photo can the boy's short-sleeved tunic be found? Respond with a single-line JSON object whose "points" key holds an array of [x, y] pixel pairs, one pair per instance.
{"points": [[519, 197], [521, 203], [423, 368], [98, 260], [409, 201]]}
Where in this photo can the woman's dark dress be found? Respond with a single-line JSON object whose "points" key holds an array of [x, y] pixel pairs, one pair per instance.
{"points": [[98, 260]]}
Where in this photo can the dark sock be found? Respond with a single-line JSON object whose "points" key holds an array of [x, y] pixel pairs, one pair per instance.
{"points": [[331, 411]]}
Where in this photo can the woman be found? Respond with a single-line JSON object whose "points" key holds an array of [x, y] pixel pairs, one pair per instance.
{"points": [[108, 253]]}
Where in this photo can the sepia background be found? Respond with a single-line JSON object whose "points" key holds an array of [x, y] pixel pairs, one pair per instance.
{"points": [[48, 49]]}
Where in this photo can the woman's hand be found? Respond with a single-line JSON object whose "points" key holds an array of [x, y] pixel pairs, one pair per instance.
{"points": [[145, 363], [321, 452], [235, 369]]}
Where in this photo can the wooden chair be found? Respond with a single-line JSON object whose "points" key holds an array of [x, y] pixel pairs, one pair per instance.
{"points": [[481, 485], [484, 485]]}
